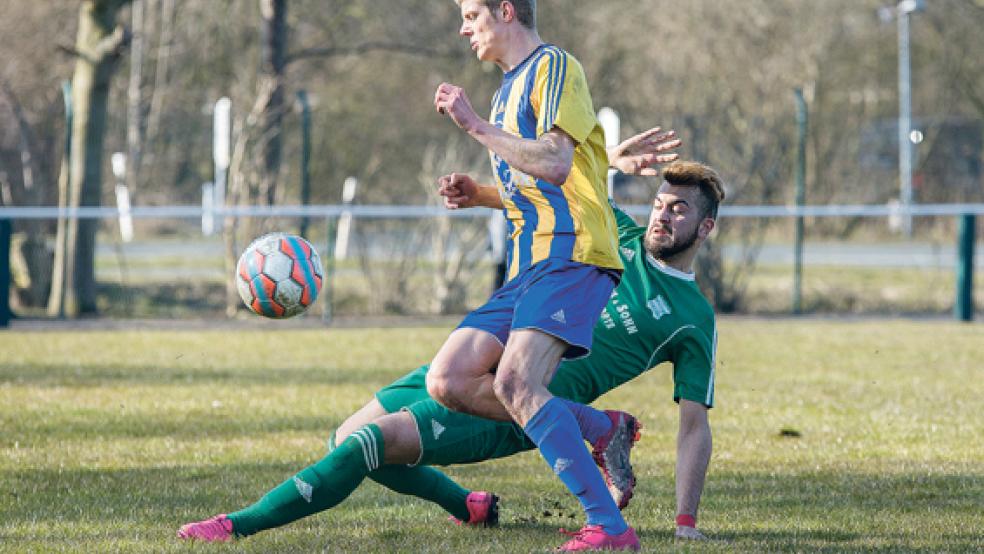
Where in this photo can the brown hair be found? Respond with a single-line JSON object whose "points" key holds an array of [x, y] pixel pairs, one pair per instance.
{"points": [[689, 174], [525, 10]]}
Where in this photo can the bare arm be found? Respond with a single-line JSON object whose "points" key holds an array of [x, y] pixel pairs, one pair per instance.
{"points": [[548, 157], [693, 456], [640, 154], [637, 155], [461, 191]]}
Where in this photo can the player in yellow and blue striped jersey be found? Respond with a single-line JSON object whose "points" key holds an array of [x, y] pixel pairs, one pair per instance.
{"points": [[549, 166]]}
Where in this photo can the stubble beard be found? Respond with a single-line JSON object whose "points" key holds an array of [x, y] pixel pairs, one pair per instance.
{"points": [[668, 251]]}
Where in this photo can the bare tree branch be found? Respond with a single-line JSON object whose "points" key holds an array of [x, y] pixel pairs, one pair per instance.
{"points": [[332, 51]]}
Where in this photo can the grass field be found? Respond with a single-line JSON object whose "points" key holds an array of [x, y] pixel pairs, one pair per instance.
{"points": [[110, 440]]}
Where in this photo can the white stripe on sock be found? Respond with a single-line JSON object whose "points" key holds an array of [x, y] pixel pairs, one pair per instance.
{"points": [[365, 451], [369, 448], [373, 459]]}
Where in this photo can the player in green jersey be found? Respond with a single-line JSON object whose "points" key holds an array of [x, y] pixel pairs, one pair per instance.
{"points": [[657, 314]]}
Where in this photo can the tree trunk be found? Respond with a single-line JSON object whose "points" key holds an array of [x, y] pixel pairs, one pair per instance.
{"points": [[98, 47], [273, 31], [33, 248], [134, 104], [56, 295]]}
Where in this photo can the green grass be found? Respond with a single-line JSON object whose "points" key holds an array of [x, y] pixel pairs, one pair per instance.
{"points": [[111, 440]]}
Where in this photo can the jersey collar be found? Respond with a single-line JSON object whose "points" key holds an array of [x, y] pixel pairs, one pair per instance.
{"points": [[672, 272], [519, 67]]}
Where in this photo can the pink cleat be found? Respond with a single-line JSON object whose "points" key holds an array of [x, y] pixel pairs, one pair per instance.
{"points": [[483, 509], [215, 529], [593, 537], [611, 453]]}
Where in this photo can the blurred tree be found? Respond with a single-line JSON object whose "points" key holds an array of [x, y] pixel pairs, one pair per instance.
{"points": [[720, 73], [98, 46]]}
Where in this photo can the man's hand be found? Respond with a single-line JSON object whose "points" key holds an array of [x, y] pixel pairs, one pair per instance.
{"points": [[689, 533], [459, 191], [639, 154], [452, 101]]}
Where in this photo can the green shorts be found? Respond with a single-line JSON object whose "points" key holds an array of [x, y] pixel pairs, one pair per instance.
{"points": [[448, 437]]}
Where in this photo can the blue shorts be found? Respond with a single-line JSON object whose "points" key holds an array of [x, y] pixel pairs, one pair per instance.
{"points": [[559, 297]]}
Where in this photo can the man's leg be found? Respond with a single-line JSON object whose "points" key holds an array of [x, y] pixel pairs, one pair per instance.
{"points": [[424, 482], [461, 378], [322, 485], [528, 363]]}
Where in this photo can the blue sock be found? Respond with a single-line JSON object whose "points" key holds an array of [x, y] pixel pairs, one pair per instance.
{"points": [[555, 432], [593, 423]]}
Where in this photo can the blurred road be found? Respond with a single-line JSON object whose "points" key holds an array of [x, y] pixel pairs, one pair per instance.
{"points": [[862, 255], [164, 258]]}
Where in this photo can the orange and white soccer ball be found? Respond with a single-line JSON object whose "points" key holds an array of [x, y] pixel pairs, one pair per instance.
{"points": [[279, 275]]}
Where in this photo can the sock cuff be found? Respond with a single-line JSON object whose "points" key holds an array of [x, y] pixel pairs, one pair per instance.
{"points": [[370, 439], [332, 443], [545, 419]]}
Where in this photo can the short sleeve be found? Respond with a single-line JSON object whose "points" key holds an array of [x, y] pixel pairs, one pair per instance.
{"points": [[561, 97], [693, 368]]}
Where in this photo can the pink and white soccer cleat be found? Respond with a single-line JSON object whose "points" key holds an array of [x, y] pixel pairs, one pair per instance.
{"points": [[593, 537], [611, 453], [215, 529], [483, 509]]}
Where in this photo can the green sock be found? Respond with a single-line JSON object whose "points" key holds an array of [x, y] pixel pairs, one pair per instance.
{"points": [[424, 482], [316, 488], [427, 483]]}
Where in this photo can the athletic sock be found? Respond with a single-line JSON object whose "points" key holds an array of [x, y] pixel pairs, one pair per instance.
{"points": [[316, 488], [424, 482], [593, 423], [554, 429], [427, 483]]}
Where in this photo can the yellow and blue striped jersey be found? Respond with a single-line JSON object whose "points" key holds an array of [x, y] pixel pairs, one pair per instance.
{"points": [[573, 221]]}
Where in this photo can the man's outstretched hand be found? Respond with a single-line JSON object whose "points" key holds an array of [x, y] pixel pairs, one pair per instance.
{"points": [[639, 155]]}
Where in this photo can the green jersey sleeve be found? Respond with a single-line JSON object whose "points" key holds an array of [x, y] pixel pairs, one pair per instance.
{"points": [[693, 367], [627, 227]]}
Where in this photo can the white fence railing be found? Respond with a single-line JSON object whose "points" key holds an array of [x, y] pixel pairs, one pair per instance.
{"points": [[418, 211]]}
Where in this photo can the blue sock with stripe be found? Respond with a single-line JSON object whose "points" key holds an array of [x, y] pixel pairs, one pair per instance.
{"points": [[317, 487], [555, 431], [593, 423]]}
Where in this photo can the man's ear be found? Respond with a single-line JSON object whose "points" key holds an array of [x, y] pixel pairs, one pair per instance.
{"points": [[706, 226], [507, 11]]}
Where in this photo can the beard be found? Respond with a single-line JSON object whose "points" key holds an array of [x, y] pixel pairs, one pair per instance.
{"points": [[675, 246]]}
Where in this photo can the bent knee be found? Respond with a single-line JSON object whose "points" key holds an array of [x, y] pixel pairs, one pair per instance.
{"points": [[439, 387]]}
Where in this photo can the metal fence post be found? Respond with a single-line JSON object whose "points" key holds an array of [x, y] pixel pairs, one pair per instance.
{"points": [[302, 98], [5, 232], [801, 123], [964, 307], [327, 290]]}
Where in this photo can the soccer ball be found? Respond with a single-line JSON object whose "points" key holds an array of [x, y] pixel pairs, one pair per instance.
{"points": [[279, 275]]}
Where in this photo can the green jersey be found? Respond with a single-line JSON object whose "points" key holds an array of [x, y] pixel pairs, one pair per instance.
{"points": [[657, 314]]}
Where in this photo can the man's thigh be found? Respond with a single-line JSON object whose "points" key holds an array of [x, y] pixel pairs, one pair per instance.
{"points": [[372, 411], [448, 437], [468, 352]]}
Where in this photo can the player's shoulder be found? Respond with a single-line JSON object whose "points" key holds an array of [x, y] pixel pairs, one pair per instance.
{"points": [[557, 60]]}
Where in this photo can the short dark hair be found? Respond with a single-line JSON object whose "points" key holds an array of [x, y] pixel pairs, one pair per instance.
{"points": [[689, 174], [525, 10]]}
